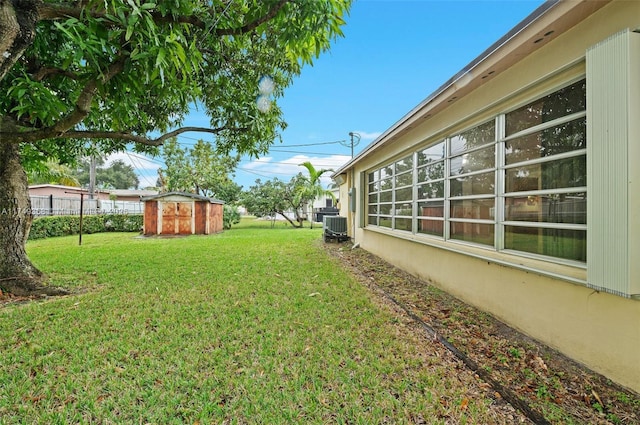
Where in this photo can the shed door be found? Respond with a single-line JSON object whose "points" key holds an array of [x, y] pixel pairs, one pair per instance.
{"points": [[176, 218], [168, 218], [184, 217]]}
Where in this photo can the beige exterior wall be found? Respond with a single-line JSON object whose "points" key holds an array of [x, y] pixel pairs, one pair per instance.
{"points": [[545, 299]]}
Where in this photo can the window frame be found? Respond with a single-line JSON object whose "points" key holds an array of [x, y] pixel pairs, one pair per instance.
{"points": [[497, 214]]}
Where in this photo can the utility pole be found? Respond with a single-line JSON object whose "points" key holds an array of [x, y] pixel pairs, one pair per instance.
{"points": [[92, 176], [355, 139]]}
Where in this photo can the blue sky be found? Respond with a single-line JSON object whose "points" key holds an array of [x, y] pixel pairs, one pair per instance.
{"points": [[393, 55]]}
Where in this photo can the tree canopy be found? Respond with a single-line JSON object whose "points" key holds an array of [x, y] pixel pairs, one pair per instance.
{"points": [[119, 71], [199, 170], [86, 76], [276, 197]]}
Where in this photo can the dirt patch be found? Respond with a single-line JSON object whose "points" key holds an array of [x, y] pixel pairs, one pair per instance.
{"points": [[551, 384], [7, 298]]}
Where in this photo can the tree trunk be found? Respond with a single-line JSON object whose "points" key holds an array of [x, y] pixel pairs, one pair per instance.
{"points": [[17, 274]]}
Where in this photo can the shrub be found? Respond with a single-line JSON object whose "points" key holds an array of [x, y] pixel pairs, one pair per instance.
{"points": [[64, 225], [230, 216]]}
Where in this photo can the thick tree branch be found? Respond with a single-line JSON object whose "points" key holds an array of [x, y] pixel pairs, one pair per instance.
{"points": [[49, 133], [18, 20], [83, 104], [43, 73]]}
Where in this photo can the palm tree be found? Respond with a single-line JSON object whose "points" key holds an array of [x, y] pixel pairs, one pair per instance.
{"points": [[313, 185]]}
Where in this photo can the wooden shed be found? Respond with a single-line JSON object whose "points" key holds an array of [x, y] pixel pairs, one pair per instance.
{"points": [[178, 213]]}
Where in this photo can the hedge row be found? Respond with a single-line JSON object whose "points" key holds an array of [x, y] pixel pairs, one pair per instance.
{"points": [[64, 225]]}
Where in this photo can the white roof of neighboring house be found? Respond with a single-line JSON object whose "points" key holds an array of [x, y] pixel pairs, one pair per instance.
{"points": [[132, 192]]}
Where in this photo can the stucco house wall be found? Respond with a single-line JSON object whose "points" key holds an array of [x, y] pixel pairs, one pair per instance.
{"points": [[587, 309]]}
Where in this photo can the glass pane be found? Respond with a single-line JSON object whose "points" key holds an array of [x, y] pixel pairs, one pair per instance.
{"points": [[473, 161], [555, 208], [473, 232], [431, 154], [405, 194], [384, 222], [552, 141], [373, 198], [386, 184], [478, 136], [386, 196], [373, 220], [431, 209], [473, 208], [564, 173], [373, 209], [403, 208], [385, 209], [431, 227], [561, 243], [374, 187], [385, 172], [403, 224], [431, 190], [404, 179], [374, 176], [566, 101], [404, 164], [431, 172], [479, 184]]}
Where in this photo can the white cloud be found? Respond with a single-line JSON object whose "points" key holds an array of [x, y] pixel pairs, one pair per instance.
{"points": [[368, 136], [285, 169]]}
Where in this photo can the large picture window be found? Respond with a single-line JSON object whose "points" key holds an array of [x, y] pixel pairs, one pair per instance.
{"points": [[516, 182]]}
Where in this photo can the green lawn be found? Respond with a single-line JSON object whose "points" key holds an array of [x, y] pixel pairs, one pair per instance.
{"points": [[255, 325]]}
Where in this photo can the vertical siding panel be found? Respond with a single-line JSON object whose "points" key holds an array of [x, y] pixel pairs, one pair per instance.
{"points": [[608, 124], [151, 218], [200, 217]]}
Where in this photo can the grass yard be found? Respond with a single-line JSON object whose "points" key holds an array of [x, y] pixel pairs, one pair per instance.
{"points": [[255, 325]]}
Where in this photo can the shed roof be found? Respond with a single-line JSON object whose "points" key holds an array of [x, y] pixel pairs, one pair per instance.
{"points": [[183, 194]]}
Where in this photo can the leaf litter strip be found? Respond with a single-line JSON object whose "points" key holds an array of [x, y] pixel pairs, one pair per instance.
{"points": [[508, 395]]}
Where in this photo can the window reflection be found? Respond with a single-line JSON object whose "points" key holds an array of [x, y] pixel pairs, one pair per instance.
{"points": [[551, 141], [431, 154], [477, 136], [553, 208], [563, 173], [561, 103], [478, 184], [473, 161], [473, 232], [561, 243]]}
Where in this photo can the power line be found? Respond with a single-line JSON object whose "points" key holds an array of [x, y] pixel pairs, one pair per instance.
{"points": [[289, 163], [310, 144], [302, 152], [265, 171], [335, 142]]}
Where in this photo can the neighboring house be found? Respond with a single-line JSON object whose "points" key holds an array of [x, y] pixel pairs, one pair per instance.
{"points": [[325, 205], [514, 186], [53, 199], [59, 191]]}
